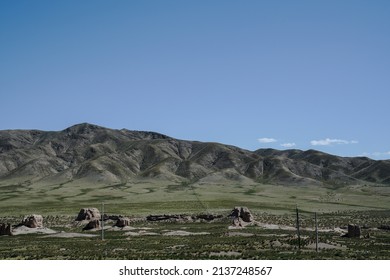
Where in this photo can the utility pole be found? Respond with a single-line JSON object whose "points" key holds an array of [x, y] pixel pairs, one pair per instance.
{"points": [[315, 219], [102, 221], [299, 234]]}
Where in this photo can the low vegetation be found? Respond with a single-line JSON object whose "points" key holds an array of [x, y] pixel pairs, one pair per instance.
{"points": [[273, 236], [165, 240]]}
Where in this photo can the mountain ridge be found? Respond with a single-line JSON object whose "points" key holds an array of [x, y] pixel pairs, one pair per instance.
{"points": [[98, 154]]}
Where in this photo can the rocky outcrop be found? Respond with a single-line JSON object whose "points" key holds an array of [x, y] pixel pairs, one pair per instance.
{"points": [[241, 216], [246, 215], [33, 221], [353, 231], [88, 214], [242, 213], [90, 217], [122, 222], [5, 229], [93, 224]]}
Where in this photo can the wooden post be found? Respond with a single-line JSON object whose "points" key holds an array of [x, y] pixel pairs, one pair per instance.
{"points": [[299, 234], [102, 221], [315, 219]]}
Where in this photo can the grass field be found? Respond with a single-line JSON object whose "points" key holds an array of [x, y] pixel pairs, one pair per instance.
{"points": [[272, 205]]}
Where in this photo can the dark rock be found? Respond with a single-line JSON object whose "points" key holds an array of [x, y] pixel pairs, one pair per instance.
{"points": [[93, 224], [384, 227], [2, 229], [88, 214], [242, 213], [8, 230], [182, 217], [246, 215], [353, 231], [122, 222], [164, 217], [112, 217]]}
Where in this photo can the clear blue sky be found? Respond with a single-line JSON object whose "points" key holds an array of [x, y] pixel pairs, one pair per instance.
{"points": [[254, 74]]}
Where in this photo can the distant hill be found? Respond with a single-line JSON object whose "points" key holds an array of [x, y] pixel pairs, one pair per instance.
{"points": [[99, 154]]}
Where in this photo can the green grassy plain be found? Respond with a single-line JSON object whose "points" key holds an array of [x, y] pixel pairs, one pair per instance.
{"points": [[270, 204], [148, 197]]}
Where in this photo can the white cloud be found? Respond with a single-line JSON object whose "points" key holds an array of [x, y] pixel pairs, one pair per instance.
{"points": [[267, 140], [288, 145], [328, 142]]}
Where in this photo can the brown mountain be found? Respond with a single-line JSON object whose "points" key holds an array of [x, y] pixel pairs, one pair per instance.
{"points": [[99, 154]]}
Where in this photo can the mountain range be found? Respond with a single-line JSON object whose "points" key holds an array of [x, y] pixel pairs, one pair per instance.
{"points": [[102, 155]]}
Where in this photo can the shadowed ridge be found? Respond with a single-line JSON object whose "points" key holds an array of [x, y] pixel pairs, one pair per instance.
{"points": [[274, 152]]}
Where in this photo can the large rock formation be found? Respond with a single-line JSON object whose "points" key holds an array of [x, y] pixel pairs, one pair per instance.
{"points": [[93, 224], [88, 214], [242, 213], [33, 221], [246, 215]]}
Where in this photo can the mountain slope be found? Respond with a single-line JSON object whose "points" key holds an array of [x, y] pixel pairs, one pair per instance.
{"points": [[99, 154]]}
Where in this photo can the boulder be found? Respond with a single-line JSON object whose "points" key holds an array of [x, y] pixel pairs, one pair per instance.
{"points": [[88, 214], [246, 215], [235, 213], [122, 222], [353, 231], [93, 224], [242, 213], [33, 221]]}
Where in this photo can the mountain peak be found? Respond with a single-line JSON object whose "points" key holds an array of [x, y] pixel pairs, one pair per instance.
{"points": [[83, 127]]}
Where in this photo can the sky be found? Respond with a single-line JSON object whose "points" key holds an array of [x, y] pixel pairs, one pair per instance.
{"points": [[253, 74]]}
